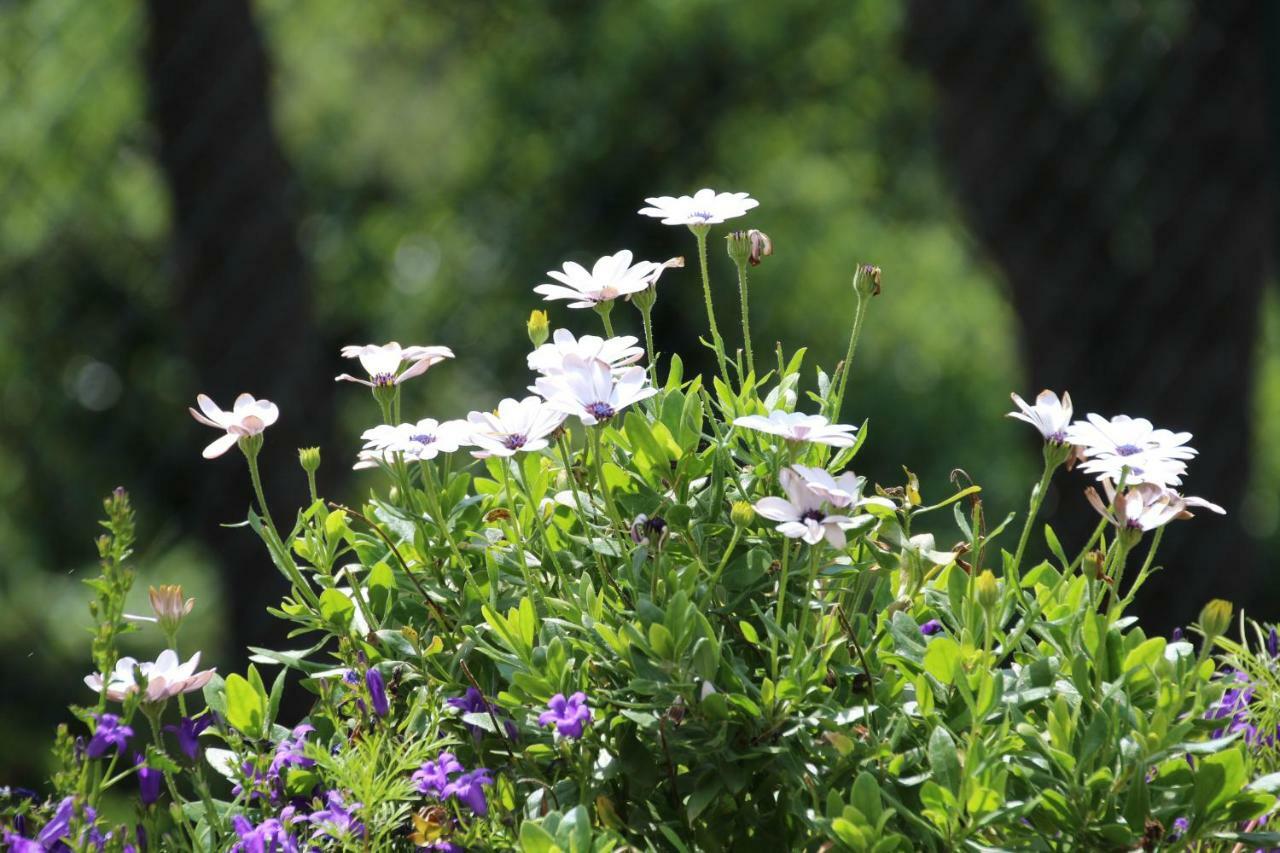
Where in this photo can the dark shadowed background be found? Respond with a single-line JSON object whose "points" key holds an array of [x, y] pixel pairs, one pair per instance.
{"points": [[215, 195]]}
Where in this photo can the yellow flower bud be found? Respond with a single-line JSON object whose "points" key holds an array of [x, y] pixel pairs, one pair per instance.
{"points": [[309, 458], [1215, 618], [987, 589], [538, 327], [742, 514]]}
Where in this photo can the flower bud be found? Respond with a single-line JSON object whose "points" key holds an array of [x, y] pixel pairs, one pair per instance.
{"points": [[738, 246], [309, 458], [742, 514], [645, 299], [987, 589], [170, 608], [866, 280], [1215, 619], [538, 328], [1091, 567]]}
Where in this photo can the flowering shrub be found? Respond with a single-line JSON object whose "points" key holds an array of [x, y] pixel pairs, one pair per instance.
{"points": [[636, 609]]}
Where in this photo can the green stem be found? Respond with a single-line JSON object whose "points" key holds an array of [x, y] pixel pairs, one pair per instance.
{"points": [[608, 324], [534, 587], [527, 493], [724, 561], [252, 457], [598, 464], [647, 320], [782, 601], [746, 315], [813, 577], [432, 490], [860, 314], [700, 232]]}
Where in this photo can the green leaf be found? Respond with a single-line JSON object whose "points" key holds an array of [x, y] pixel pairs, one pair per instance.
{"points": [[336, 608], [246, 707], [942, 658], [749, 632], [574, 832], [661, 640], [943, 760], [1218, 778], [535, 839], [866, 796]]}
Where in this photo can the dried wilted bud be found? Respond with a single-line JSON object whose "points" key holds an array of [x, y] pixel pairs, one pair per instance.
{"points": [[1092, 565], [169, 606], [761, 246]]}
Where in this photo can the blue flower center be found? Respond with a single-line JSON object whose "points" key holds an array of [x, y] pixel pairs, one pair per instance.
{"points": [[704, 215], [1128, 450], [422, 438], [514, 441], [812, 515], [600, 411], [382, 380]]}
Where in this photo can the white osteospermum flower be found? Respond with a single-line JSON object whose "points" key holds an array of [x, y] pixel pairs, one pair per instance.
{"points": [[164, 677], [1051, 416], [382, 363], [418, 442], [1151, 455], [705, 207], [587, 388], [796, 426], [802, 513], [842, 491], [247, 417], [1146, 506], [618, 352], [611, 276], [517, 425]]}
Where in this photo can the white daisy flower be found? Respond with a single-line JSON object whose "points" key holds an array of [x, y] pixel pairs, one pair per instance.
{"points": [[587, 388], [705, 207], [1051, 416], [1151, 455], [618, 352], [382, 363], [418, 442], [517, 425], [796, 426], [611, 276], [802, 514], [842, 491], [247, 417], [164, 677], [1147, 466], [1146, 506]]}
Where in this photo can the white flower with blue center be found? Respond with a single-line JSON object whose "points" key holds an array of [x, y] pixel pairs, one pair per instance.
{"points": [[589, 389], [247, 417], [610, 277], [1151, 455], [417, 442], [1049, 415], [705, 207], [619, 353], [516, 426], [383, 362]]}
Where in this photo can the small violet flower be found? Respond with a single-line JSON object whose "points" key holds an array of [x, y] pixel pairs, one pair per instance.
{"points": [[377, 691], [337, 821], [468, 789], [931, 627], [188, 732], [149, 781], [108, 733], [473, 702], [270, 836], [51, 836], [568, 715], [433, 777]]}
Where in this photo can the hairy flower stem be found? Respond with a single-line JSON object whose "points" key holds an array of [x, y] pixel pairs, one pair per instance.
{"points": [[527, 494], [724, 561], [535, 586], [1145, 570], [251, 455], [746, 314], [859, 315], [647, 320], [782, 601], [608, 324], [700, 232], [1037, 499]]}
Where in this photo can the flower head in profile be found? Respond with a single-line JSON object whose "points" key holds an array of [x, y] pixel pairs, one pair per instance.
{"points": [[383, 363], [803, 513], [1051, 416], [247, 417], [1151, 455], [468, 789], [517, 426], [51, 837], [705, 207], [618, 353], [567, 715], [1146, 506], [337, 819], [473, 702], [610, 277], [589, 389], [417, 442], [796, 426], [149, 780], [164, 677], [109, 733], [169, 606], [188, 730]]}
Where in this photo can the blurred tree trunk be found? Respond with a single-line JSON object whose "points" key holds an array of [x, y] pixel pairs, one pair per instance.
{"points": [[1134, 232], [244, 304]]}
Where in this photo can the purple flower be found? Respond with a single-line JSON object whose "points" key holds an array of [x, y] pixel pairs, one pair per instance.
{"points": [[569, 715], [377, 691], [1233, 708], [337, 820], [149, 780], [468, 788], [473, 702], [291, 752], [270, 836], [1176, 635], [49, 838], [1273, 643], [107, 734], [188, 731], [1180, 827], [432, 778], [931, 627]]}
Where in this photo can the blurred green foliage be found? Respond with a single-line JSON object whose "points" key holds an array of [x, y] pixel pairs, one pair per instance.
{"points": [[447, 155]]}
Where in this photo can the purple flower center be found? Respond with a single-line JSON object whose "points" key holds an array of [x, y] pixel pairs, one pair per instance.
{"points": [[600, 411], [704, 215], [1128, 450], [514, 441], [812, 515], [382, 380], [422, 438]]}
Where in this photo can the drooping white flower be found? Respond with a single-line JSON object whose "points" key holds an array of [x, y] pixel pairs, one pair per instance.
{"points": [[164, 677], [1146, 506], [618, 352], [842, 491], [802, 514], [382, 363], [705, 207], [417, 442], [611, 276], [587, 388], [247, 417], [796, 426], [1151, 455], [1051, 416], [518, 425]]}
